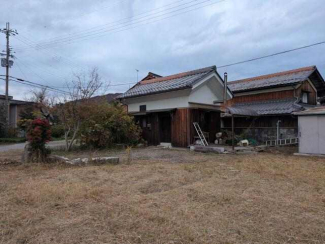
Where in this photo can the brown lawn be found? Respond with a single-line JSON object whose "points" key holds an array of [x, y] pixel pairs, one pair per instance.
{"points": [[166, 196]]}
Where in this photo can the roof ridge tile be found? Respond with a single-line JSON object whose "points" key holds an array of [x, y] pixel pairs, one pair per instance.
{"points": [[179, 75]]}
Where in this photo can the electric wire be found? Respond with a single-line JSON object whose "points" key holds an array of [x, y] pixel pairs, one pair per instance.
{"points": [[271, 55], [111, 24], [123, 27]]}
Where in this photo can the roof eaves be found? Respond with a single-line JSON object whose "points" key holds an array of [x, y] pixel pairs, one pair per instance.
{"points": [[157, 92], [266, 87], [202, 78]]}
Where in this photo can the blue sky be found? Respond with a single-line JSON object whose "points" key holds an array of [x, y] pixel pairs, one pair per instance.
{"points": [[86, 34]]}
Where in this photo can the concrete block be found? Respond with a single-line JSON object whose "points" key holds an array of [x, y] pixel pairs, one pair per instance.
{"points": [[106, 160], [198, 148]]}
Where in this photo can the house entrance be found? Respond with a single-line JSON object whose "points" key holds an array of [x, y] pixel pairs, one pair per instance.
{"points": [[165, 127]]}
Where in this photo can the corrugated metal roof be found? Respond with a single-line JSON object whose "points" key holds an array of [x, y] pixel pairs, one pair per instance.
{"points": [[290, 77], [168, 83], [270, 107]]}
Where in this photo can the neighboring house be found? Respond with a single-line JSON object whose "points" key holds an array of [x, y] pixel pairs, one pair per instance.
{"points": [[166, 107], [15, 107], [260, 103]]}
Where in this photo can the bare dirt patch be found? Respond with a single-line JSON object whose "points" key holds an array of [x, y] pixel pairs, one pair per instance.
{"points": [[166, 196]]}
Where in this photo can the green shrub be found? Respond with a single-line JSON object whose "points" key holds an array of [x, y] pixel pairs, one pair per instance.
{"points": [[12, 140], [57, 131], [109, 124]]}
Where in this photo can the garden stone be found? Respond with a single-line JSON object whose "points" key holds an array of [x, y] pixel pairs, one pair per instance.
{"points": [[60, 159], [105, 160], [27, 154]]}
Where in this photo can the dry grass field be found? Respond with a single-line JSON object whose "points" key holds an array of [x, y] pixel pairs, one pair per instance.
{"points": [[165, 196]]}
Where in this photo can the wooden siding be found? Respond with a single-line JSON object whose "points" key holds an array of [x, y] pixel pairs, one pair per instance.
{"points": [[150, 134], [312, 95], [180, 127], [263, 96]]}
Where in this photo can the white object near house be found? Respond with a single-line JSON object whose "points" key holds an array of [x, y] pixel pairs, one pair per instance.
{"points": [[243, 143], [311, 124]]}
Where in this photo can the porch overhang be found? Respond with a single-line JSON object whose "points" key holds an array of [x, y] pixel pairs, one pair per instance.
{"points": [[205, 106], [241, 112], [265, 108], [152, 111]]}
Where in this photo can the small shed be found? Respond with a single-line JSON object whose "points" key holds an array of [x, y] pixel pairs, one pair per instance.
{"points": [[311, 125]]}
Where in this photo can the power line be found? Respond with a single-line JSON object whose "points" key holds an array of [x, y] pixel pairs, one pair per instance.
{"points": [[35, 85], [27, 82], [30, 44], [111, 24], [95, 10], [263, 57], [36, 67], [123, 27], [222, 66], [272, 55], [29, 65], [21, 71], [131, 25], [248, 60]]}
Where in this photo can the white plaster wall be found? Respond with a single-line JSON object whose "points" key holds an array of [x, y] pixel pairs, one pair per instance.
{"points": [[203, 94], [207, 92], [168, 100]]}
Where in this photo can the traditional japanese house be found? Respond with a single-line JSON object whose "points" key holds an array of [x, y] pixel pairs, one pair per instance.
{"points": [[166, 107], [264, 106]]}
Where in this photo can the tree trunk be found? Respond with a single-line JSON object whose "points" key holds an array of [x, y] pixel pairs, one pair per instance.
{"points": [[76, 129]]}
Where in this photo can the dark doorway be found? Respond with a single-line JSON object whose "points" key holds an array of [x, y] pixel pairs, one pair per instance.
{"points": [[165, 127]]}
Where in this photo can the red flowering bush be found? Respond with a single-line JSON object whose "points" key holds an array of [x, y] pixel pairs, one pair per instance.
{"points": [[38, 134]]}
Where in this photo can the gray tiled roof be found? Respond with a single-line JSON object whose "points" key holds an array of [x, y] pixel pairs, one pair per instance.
{"points": [[270, 107], [168, 83], [290, 77]]}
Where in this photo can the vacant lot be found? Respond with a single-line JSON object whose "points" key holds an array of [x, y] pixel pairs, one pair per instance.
{"points": [[166, 196]]}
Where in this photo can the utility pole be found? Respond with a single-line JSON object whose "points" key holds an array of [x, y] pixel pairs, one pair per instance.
{"points": [[8, 32]]}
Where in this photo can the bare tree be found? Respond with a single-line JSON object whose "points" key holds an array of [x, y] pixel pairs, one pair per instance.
{"points": [[40, 96], [73, 110]]}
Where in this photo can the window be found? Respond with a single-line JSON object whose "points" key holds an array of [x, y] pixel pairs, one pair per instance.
{"points": [[143, 108], [304, 97]]}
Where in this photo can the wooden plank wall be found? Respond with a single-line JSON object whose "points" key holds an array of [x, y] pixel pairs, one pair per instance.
{"points": [[277, 95], [180, 127], [151, 135], [312, 95], [263, 96]]}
